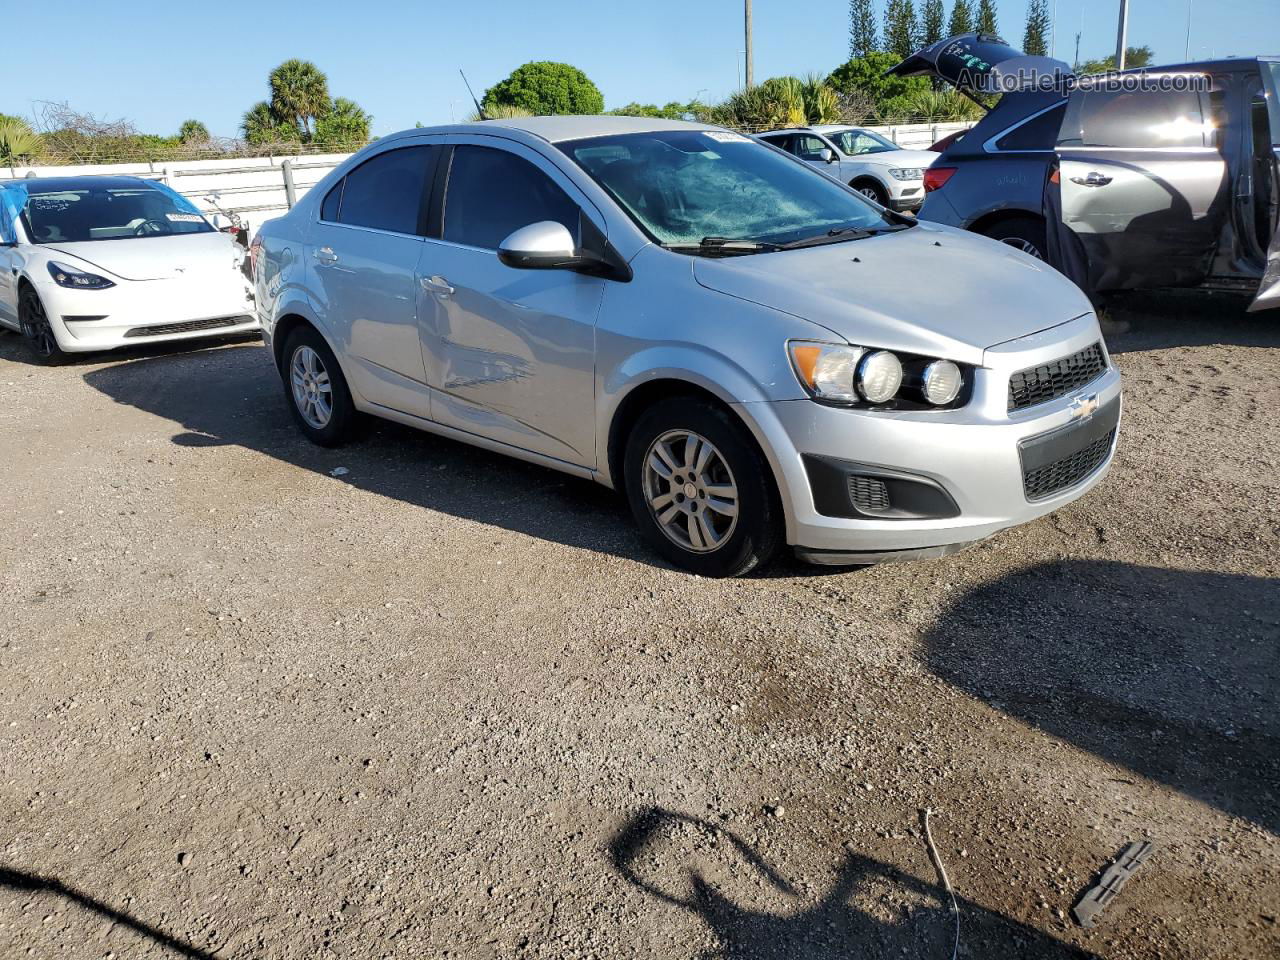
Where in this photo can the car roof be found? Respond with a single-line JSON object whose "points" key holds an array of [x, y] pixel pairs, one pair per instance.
{"points": [[59, 184], [812, 128], [559, 129]]}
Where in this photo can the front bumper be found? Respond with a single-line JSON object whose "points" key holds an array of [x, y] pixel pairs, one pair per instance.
{"points": [[974, 454], [152, 311]]}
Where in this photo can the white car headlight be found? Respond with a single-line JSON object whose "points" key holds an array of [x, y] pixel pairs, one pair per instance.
{"points": [[848, 375], [907, 173], [65, 276]]}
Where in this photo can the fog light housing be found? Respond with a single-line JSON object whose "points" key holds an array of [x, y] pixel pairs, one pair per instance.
{"points": [[879, 376], [942, 381]]}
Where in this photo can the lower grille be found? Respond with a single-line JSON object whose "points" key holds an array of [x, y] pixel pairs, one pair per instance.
{"points": [[1052, 477], [1052, 380], [188, 326], [869, 494]]}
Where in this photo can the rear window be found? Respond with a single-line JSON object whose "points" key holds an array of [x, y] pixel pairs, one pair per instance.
{"points": [[1140, 119]]}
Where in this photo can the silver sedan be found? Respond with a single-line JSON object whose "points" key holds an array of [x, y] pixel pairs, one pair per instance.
{"points": [[755, 354]]}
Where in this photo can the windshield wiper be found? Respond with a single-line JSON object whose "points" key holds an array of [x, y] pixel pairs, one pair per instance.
{"points": [[838, 235], [724, 246]]}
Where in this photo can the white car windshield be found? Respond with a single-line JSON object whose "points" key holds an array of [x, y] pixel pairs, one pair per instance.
{"points": [[55, 214], [854, 143], [684, 188]]}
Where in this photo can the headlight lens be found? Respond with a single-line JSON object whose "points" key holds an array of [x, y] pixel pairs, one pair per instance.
{"points": [[827, 369], [907, 173], [941, 382], [65, 276], [879, 376]]}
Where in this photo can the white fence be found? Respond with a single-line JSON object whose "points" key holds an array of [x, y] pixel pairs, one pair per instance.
{"points": [[260, 188]]}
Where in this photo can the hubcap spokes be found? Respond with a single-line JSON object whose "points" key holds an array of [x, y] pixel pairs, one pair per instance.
{"points": [[312, 391], [1026, 246], [691, 491]]}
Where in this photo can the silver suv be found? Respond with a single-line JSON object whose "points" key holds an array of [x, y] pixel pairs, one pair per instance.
{"points": [[742, 345]]}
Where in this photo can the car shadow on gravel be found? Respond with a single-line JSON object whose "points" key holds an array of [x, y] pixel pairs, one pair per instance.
{"points": [[233, 396], [1171, 674], [871, 910], [13, 347], [30, 883], [1157, 320]]}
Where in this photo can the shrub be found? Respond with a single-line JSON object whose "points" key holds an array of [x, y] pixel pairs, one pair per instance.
{"points": [[545, 87]]}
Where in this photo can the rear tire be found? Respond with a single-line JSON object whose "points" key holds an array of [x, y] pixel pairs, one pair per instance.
{"points": [[1025, 233], [700, 490], [316, 390], [37, 330]]}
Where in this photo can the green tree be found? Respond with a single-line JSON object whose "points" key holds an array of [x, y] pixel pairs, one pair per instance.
{"points": [[345, 124], [545, 87], [932, 22], [193, 131], [900, 28], [1133, 57], [864, 38], [986, 22], [17, 140], [671, 111], [299, 94], [864, 76], [260, 126], [1035, 36], [961, 18]]}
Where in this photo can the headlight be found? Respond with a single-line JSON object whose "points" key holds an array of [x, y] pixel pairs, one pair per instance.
{"points": [[827, 370], [65, 276], [941, 382], [907, 173], [879, 376]]}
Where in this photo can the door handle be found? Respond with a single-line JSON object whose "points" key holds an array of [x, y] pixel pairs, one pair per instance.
{"points": [[1094, 179], [325, 255], [437, 285]]}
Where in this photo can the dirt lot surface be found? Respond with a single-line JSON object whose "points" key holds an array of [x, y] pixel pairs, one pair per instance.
{"points": [[447, 705]]}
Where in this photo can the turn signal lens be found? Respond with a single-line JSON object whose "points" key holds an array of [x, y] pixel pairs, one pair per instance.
{"points": [[942, 381], [826, 369], [879, 376], [935, 178]]}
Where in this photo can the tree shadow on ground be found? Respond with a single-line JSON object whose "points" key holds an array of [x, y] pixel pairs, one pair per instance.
{"points": [[871, 909], [233, 396], [1172, 674], [21, 882]]}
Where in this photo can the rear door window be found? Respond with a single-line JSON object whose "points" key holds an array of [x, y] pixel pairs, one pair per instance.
{"points": [[385, 192], [1138, 119], [492, 193]]}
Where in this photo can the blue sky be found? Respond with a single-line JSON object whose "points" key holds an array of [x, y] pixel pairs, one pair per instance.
{"points": [[399, 59]]}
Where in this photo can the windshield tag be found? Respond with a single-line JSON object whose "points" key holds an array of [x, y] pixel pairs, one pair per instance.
{"points": [[726, 137], [184, 217]]}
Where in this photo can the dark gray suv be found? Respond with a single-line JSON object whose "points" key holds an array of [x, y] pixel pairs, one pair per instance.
{"points": [[1128, 185]]}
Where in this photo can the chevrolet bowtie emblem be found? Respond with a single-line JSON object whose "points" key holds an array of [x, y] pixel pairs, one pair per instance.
{"points": [[1082, 408]]}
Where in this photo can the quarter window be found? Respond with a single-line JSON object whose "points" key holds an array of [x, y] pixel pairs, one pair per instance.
{"points": [[384, 192], [493, 193], [1038, 133], [332, 200]]}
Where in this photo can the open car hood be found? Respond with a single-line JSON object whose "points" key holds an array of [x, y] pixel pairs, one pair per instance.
{"points": [[981, 63]]}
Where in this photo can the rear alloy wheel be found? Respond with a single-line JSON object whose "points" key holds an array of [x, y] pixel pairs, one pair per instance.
{"points": [[35, 327], [1023, 234], [317, 391], [699, 489]]}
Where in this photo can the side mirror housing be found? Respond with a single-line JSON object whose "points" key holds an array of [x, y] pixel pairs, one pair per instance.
{"points": [[545, 245], [828, 155]]}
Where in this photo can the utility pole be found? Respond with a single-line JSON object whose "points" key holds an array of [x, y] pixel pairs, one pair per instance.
{"points": [[1186, 54], [1122, 34], [747, 17]]}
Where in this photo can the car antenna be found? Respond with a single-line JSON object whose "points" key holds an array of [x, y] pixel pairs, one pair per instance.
{"points": [[479, 109]]}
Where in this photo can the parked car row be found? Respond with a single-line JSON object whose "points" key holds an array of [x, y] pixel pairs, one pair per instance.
{"points": [[739, 344]]}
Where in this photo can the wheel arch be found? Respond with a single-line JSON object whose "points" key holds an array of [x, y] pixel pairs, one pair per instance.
{"points": [[996, 217]]}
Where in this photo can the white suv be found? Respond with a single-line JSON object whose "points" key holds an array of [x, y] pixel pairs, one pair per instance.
{"points": [[874, 166]]}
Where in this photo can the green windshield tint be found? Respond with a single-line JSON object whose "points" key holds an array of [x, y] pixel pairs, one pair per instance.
{"points": [[682, 186]]}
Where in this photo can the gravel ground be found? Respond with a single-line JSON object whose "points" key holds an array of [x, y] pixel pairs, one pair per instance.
{"points": [[446, 704]]}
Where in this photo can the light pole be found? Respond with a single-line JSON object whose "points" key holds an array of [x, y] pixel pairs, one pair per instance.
{"points": [[1122, 34], [1186, 54], [747, 25]]}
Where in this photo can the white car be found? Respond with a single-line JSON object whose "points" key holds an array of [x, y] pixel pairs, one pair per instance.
{"points": [[874, 166], [95, 263]]}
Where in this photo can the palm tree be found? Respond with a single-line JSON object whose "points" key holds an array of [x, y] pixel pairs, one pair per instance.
{"points": [[344, 124], [260, 126], [193, 131], [299, 94], [17, 140]]}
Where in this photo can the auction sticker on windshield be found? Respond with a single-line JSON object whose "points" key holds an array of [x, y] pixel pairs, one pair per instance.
{"points": [[719, 137]]}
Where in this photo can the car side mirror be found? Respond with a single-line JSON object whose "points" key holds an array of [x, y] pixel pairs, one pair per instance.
{"points": [[545, 245], [828, 155]]}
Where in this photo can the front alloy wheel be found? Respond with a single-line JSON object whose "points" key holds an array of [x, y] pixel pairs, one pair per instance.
{"points": [[35, 327], [691, 492]]}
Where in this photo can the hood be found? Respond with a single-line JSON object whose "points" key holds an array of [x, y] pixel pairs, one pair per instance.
{"points": [[154, 258], [981, 63], [898, 158], [930, 290]]}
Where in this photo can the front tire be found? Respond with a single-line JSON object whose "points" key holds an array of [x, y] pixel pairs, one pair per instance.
{"points": [[872, 191], [37, 329], [700, 490], [316, 390]]}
